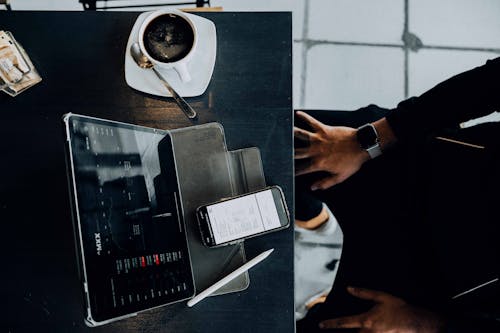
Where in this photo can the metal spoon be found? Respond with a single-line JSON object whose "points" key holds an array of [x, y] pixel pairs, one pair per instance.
{"points": [[143, 62]]}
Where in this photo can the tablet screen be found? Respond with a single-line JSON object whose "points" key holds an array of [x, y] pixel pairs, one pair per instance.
{"points": [[132, 235]]}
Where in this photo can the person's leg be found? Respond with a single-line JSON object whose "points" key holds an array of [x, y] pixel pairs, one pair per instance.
{"points": [[308, 209], [384, 249]]}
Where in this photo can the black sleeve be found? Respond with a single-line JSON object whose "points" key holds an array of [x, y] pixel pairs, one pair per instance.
{"points": [[480, 325], [468, 95]]}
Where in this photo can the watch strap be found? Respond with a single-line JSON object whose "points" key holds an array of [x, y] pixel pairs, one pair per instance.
{"points": [[374, 151], [369, 140]]}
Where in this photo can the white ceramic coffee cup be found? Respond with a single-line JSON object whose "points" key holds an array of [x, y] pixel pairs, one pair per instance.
{"points": [[180, 66]]}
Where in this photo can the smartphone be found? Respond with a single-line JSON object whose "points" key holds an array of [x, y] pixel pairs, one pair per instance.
{"points": [[231, 220]]}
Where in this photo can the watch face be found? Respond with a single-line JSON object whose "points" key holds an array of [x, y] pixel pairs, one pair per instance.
{"points": [[367, 136]]}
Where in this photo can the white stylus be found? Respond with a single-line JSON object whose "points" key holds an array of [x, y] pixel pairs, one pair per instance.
{"points": [[475, 288], [229, 277]]}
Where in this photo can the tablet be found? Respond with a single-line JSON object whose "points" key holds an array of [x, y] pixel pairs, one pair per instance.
{"points": [[128, 218]]}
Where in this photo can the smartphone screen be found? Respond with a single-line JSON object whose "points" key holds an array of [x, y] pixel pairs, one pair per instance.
{"points": [[244, 216]]}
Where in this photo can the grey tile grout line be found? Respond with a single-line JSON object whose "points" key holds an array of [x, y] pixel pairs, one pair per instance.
{"points": [[461, 48], [315, 42]]}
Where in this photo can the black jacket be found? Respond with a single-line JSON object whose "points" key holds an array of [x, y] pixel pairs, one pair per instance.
{"points": [[463, 206]]}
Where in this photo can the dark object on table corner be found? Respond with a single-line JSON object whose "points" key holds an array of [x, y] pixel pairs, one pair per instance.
{"points": [[92, 4], [6, 3]]}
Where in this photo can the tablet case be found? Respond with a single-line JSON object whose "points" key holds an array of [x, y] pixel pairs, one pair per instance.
{"points": [[207, 172]]}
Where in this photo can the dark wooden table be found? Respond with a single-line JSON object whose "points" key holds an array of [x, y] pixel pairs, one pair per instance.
{"points": [[80, 57]]}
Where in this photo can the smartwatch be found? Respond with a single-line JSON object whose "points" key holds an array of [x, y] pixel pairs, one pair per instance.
{"points": [[368, 140]]}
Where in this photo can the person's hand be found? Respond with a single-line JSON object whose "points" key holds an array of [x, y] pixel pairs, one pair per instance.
{"points": [[333, 149], [389, 315]]}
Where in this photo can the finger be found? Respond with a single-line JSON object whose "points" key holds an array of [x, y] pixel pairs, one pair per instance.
{"points": [[313, 122], [301, 153], [343, 322], [371, 295], [326, 183], [302, 134], [305, 167]]}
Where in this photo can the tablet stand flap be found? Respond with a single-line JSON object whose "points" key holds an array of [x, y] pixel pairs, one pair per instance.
{"points": [[207, 172], [247, 171]]}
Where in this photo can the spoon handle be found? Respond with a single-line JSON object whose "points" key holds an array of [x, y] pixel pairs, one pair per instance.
{"points": [[181, 102]]}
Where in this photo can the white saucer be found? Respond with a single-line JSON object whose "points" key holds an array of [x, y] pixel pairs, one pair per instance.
{"points": [[200, 67]]}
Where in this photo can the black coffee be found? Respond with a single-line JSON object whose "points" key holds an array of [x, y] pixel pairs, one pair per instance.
{"points": [[168, 38]]}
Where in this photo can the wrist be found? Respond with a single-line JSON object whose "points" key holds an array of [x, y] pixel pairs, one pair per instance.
{"points": [[374, 138], [386, 136], [361, 153]]}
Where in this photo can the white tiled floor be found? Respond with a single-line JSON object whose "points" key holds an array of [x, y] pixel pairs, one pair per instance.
{"points": [[430, 67], [356, 20], [350, 77], [456, 22]]}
